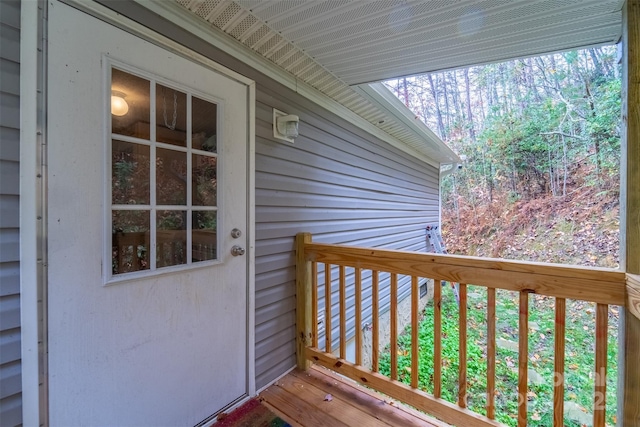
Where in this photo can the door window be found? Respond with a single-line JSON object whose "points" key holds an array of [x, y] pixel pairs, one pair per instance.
{"points": [[163, 209]]}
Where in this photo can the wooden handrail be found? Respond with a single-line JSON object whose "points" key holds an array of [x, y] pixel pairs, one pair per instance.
{"points": [[601, 286], [597, 285]]}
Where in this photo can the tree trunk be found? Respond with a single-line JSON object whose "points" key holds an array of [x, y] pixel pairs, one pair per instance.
{"points": [[455, 200], [480, 98], [503, 84], [595, 137], [596, 62], [455, 94], [446, 102], [406, 92], [542, 66], [552, 181], [554, 67], [565, 166], [436, 100], [531, 82], [472, 132]]}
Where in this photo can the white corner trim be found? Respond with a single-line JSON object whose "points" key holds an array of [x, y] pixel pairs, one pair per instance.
{"points": [[29, 222], [251, 231], [173, 12]]}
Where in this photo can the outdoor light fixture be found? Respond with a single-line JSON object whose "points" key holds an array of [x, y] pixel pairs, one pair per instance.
{"points": [[285, 126], [119, 106]]}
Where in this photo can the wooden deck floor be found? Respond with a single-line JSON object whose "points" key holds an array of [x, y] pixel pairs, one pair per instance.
{"points": [[300, 399]]}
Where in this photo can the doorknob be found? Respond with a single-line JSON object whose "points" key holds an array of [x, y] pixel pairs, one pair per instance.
{"points": [[237, 250]]}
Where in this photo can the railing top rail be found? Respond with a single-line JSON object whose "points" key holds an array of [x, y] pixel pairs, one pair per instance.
{"points": [[597, 285]]}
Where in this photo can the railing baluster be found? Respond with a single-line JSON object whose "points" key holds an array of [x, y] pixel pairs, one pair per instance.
{"points": [[327, 308], [462, 367], [491, 353], [314, 303], [394, 326], [523, 358], [437, 338], [415, 307], [343, 313], [558, 378], [358, 290], [375, 343], [600, 396]]}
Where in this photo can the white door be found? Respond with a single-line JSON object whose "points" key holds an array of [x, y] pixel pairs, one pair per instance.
{"points": [[147, 179]]}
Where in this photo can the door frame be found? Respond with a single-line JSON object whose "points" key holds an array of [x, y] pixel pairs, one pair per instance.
{"points": [[33, 235]]}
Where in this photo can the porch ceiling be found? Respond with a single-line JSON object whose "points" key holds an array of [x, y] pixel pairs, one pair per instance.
{"points": [[334, 45], [365, 41]]}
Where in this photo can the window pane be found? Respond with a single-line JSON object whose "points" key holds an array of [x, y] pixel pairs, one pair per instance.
{"points": [[171, 240], [204, 183], [129, 173], [171, 116], [130, 241], [204, 127], [171, 177], [204, 242], [130, 104]]}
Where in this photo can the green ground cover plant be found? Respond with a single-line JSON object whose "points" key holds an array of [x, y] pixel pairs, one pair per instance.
{"points": [[579, 357]]}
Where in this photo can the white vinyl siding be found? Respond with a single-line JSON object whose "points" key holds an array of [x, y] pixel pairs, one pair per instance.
{"points": [[343, 186]]}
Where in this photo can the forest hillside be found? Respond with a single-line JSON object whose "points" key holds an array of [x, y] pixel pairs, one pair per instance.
{"points": [[540, 140]]}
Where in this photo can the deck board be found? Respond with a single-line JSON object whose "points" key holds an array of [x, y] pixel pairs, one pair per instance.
{"points": [[299, 398]]}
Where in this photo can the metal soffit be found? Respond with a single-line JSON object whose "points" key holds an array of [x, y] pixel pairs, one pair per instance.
{"points": [[335, 45]]}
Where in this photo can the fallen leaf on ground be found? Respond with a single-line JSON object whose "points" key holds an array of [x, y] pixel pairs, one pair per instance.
{"points": [[328, 398]]}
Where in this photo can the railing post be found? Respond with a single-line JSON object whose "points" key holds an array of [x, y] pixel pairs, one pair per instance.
{"points": [[630, 205], [304, 331]]}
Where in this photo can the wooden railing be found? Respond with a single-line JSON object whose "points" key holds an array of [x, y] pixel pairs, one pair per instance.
{"points": [[599, 286]]}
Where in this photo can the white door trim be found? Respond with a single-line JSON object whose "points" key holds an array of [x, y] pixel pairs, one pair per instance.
{"points": [[31, 215]]}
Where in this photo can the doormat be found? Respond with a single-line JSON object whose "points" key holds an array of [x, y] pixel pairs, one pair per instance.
{"points": [[251, 414]]}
